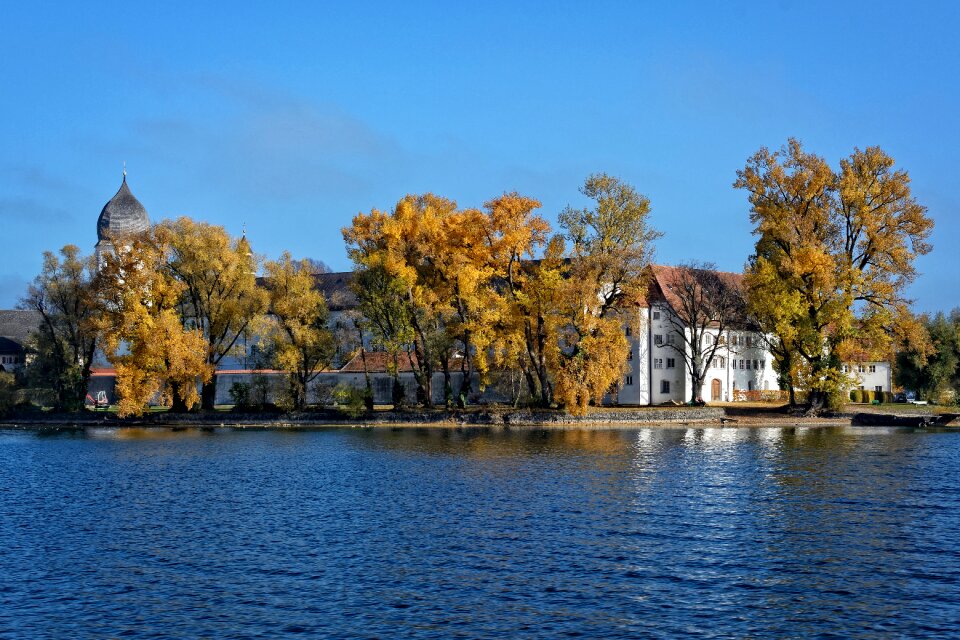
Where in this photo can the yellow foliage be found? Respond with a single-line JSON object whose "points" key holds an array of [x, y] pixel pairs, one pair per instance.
{"points": [[140, 330], [297, 331], [834, 254]]}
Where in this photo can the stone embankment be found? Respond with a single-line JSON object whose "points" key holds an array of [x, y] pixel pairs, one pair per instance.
{"points": [[600, 418]]}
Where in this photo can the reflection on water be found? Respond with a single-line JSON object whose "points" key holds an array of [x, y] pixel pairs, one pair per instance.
{"points": [[440, 533]]}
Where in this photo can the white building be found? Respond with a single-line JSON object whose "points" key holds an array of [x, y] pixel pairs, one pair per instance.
{"points": [[870, 376], [658, 372]]}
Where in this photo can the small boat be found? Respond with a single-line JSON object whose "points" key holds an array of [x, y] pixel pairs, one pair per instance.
{"points": [[891, 420]]}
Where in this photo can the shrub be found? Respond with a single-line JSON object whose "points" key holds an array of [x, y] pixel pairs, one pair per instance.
{"points": [[835, 400], [350, 400], [240, 394], [856, 396], [7, 393]]}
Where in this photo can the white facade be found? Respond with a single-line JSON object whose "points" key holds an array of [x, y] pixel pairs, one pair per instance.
{"points": [[658, 372], [870, 376]]}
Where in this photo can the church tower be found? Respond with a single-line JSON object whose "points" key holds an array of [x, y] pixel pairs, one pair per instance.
{"points": [[122, 216]]}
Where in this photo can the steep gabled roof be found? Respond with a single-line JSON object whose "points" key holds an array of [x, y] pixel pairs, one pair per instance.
{"points": [[8, 346], [665, 281], [18, 324]]}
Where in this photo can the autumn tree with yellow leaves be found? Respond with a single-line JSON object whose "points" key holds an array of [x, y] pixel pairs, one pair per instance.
{"points": [[219, 294], [611, 245], [488, 288], [141, 331], [834, 255], [527, 324], [297, 331], [436, 258]]}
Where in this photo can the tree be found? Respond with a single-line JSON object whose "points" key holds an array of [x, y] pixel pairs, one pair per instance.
{"points": [[65, 341], [299, 335], [409, 245], [931, 366], [526, 330], [383, 314], [141, 331], [612, 243], [834, 255], [220, 296], [705, 305]]}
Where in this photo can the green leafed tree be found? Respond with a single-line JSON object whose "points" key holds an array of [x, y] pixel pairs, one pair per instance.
{"points": [[65, 341]]}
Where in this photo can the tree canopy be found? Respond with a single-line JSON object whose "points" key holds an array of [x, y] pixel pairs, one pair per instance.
{"points": [[834, 255]]}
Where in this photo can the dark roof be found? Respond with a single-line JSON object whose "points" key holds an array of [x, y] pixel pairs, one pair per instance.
{"points": [[336, 289], [18, 324], [123, 215], [8, 346], [666, 280]]}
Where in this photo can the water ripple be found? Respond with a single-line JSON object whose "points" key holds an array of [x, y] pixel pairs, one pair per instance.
{"points": [[788, 533]]}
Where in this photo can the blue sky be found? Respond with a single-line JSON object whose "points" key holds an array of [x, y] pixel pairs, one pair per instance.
{"points": [[293, 117]]}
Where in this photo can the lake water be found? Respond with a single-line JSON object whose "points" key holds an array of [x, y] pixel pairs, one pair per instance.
{"points": [[377, 533]]}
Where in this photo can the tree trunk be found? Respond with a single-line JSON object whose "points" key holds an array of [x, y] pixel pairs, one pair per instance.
{"points": [[531, 385], [816, 402], [397, 394], [298, 392], [696, 384], [208, 394], [177, 404]]}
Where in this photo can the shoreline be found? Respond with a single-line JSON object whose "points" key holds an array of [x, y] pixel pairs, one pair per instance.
{"points": [[598, 419]]}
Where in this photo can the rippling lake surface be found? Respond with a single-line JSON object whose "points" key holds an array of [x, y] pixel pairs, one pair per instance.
{"points": [[431, 533]]}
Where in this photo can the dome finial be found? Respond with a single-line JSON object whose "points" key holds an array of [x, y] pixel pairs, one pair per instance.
{"points": [[124, 169]]}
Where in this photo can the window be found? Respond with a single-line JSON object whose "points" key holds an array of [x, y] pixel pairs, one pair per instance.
{"points": [[755, 363], [741, 364], [656, 315], [629, 381], [845, 369], [671, 363], [749, 341], [630, 355], [860, 387], [723, 362], [708, 339], [749, 385], [873, 369], [861, 368], [734, 339], [669, 338], [664, 386], [629, 331], [763, 364], [657, 339], [878, 388], [658, 363]]}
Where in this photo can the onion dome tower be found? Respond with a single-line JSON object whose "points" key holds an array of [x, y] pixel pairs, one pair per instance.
{"points": [[123, 215]]}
